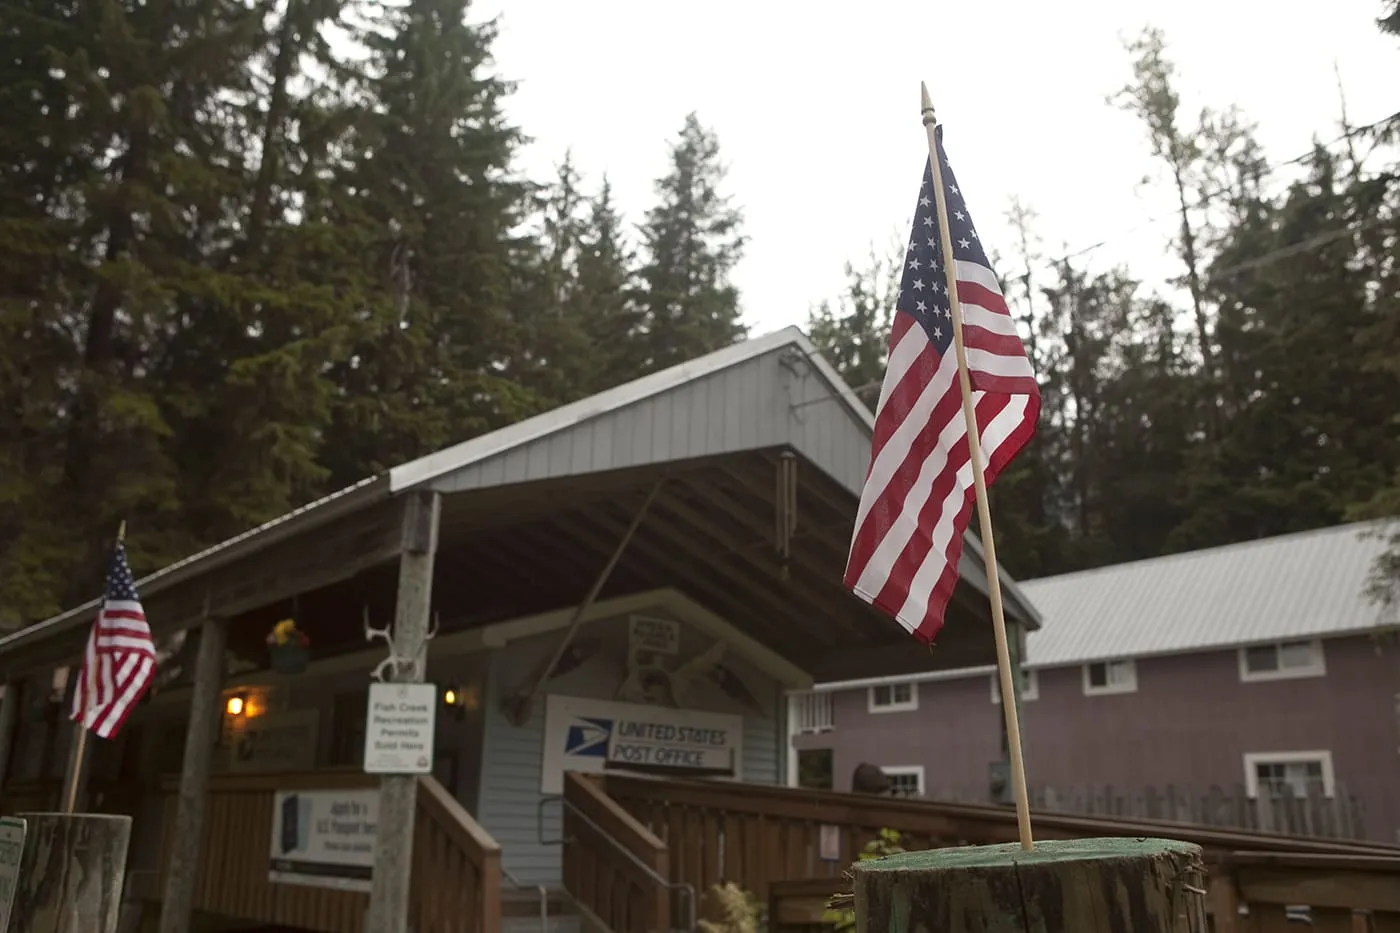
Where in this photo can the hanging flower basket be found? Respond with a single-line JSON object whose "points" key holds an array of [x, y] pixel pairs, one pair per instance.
{"points": [[288, 648]]}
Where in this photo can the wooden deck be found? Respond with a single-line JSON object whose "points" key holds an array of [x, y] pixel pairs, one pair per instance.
{"points": [[456, 864], [791, 848], [638, 852]]}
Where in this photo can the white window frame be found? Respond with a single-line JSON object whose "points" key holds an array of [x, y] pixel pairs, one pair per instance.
{"points": [[1128, 686], [905, 771], [1030, 688], [1322, 756], [1316, 669], [894, 706]]}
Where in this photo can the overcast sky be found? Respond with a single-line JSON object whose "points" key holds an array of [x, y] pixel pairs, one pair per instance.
{"points": [[816, 107]]}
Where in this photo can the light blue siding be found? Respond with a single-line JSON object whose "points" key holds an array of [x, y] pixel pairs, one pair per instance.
{"points": [[513, 755]]}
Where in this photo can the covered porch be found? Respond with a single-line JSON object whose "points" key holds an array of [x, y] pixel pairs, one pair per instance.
{"points": [[729, 483]]}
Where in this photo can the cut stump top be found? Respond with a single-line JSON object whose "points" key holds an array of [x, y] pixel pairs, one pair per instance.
{"points": [[1011, 854]]}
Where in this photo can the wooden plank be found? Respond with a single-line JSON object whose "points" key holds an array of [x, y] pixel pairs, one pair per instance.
{"points": [[952, 822], [1321, 887], [1223, 902]]}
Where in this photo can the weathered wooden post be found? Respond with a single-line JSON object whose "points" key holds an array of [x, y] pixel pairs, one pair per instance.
{"points": [[398, 793], [1062, 886], [192, 804], [71, 873]]}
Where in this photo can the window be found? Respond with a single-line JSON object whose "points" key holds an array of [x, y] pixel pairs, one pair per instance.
{"points": [[1030, 686], [815, 768], [1110, 677], [348, 728], [905, 780], [1282, 661], [894, 698], [1275, 773], [810, 712]]}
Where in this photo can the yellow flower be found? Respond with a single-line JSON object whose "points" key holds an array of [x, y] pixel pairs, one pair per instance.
{"points": [[283, 631]]}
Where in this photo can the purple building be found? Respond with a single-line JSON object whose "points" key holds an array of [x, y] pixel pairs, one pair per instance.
{"points": [[1208, 679]]}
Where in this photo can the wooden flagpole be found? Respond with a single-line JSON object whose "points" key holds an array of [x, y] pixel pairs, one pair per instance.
{"points": [[75, 771], [979, 483]]}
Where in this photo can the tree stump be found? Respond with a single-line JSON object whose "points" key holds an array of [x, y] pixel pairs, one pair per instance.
{"points": [[71, 873], [1063, 886]]}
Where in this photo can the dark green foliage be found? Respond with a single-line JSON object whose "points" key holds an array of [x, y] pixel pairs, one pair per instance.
{"points": [[242, 265], [1256, 401]]}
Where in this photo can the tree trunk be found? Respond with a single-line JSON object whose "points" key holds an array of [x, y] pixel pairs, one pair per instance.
{"points": [[1063, 886], [71, 873]]}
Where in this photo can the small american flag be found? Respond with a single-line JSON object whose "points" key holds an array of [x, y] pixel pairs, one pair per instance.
{"points": [[120, 661], [918, 494]]}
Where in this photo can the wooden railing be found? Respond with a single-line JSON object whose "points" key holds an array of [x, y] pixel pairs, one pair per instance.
{"points": [[790, 848], [613, 866], [29, 796], [456, 864]]}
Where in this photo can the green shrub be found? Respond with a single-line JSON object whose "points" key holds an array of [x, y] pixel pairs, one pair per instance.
{"points": [[839, 912]]}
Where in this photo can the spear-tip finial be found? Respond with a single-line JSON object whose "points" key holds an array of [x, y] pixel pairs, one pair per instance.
{"points": [[927, 103], [121, 532]]}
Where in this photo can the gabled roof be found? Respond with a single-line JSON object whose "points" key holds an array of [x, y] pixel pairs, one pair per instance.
{"points": [[437, 469], [1306, 585]]}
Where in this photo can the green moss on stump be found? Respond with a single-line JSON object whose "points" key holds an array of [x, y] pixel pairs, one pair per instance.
{"points": [[1122, 885]]}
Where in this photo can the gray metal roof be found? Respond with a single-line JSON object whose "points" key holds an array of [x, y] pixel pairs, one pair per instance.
{"points": [[1305, 585], [445, 469]]}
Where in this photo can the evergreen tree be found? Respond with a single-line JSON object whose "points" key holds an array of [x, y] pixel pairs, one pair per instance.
{"points": [[438, 345], [854, 333], [605, 293], [691, 243]]}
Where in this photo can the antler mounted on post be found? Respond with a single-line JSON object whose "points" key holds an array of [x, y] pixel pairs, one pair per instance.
{"points": [[396, 664]]}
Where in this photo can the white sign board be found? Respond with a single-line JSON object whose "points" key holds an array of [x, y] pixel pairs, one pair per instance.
{"points": [[324, 838], [399, 724], [659, 636], [829, 843], [597, 735], [11, 848]]}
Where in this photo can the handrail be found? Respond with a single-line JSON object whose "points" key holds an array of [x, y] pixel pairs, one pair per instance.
{"points": [[539, 820], [470, 834], [835, 807], [476, 842], [647, 870], [543, 892]]}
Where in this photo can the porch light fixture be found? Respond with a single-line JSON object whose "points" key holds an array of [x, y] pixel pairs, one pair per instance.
{"points": [[460, 699], [235, 705]]}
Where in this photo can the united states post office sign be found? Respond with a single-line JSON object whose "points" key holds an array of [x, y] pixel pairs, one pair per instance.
{"points": [[593, 736]]}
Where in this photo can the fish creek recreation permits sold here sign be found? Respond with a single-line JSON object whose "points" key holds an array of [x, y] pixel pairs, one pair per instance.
{"points": [[399, 724]]}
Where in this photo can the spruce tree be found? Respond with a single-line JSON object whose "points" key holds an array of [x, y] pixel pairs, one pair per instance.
{"points": [[432, 180], [691, 242]]}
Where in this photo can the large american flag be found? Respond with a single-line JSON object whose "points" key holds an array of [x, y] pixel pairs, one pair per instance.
{"points": [[918, 494], [121, 657]]}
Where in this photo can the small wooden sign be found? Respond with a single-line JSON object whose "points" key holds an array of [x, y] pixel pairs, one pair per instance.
{"points": [[658, 636]]}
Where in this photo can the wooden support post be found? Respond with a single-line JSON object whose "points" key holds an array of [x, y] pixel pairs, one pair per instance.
{"points": [[71, 873], [9, 720], [1061, 886], [398, 794], [1224, 901], [192, 801]]}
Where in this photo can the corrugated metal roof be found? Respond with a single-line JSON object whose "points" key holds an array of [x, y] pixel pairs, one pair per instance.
{"points": [[1302, 585], [423, 471]]}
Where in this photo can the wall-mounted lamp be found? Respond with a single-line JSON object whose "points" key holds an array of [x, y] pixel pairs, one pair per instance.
{"points": [[235, 705], [460, 700]]}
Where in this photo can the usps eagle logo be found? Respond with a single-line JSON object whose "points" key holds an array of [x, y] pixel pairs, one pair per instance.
{"points": [[588, 737]]}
